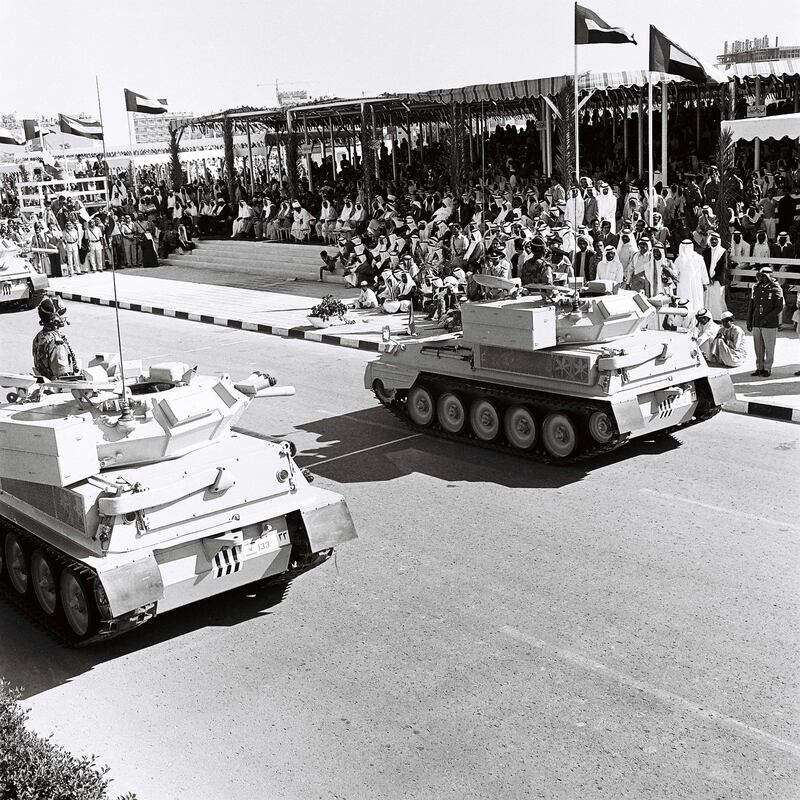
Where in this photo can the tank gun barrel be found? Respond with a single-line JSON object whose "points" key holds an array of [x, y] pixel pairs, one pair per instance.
{"points": [[275, 391]]}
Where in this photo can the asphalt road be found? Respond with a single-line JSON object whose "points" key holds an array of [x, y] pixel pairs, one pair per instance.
{"points": [[624, 629]]}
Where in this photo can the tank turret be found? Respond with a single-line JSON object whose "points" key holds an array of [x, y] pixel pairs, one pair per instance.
{"points": [[559, 375], [119, 502]]}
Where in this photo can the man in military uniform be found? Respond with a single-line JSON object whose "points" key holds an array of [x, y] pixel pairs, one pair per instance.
{"points": [[763, 316], [52, 355], [537, 270]]}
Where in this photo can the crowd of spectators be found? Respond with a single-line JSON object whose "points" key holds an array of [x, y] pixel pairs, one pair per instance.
{"points": [[413, 241]]}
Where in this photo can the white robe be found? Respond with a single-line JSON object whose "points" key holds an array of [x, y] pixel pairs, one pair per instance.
{"points": [[610, 271], [692, 280], [573, 213], [607, 208]]}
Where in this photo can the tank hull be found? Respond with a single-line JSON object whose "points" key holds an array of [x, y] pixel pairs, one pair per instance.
{"points": [[644, 384], [182, 536]]}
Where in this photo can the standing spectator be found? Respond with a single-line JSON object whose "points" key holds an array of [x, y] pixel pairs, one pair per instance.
{"points": [[584, 264], [739, 249], [94, 240], [71, 245], [768, 211], [763, 317], [786, 209]]}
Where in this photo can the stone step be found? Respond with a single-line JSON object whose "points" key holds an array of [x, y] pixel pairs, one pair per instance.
{"points": [[275, 270], [246, 261], [262, 254], [277, 247]]}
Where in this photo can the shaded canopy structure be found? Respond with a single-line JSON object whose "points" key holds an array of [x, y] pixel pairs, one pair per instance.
{"points": [[777, 127], [365, 123]]}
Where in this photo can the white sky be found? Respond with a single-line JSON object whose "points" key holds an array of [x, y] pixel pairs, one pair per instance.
{"points": [[206, 55]]}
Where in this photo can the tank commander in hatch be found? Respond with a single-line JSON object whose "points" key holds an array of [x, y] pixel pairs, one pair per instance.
{"points": [[52, 355]]}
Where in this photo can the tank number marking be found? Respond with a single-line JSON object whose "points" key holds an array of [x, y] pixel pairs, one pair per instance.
{"points": [[230, 559]]}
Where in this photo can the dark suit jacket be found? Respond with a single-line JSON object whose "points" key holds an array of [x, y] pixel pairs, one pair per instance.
{"points": [[585, 265]]}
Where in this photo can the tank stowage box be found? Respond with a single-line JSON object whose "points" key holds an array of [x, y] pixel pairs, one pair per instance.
{"points": [[554, 378], [110, 515]]}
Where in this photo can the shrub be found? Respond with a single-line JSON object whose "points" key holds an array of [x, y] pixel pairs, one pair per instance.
{"points": [[329, 307], [34, 768]]}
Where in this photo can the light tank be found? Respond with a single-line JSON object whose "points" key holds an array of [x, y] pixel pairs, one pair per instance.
{"points": [[557, 376], [115, 507], [20, 284]]}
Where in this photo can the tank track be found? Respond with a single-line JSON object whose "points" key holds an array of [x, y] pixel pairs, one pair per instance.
{"points": [[541, 401], [55, 625]]}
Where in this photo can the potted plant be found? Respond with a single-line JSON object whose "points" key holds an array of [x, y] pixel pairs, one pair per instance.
{"points": [[329, 312]]}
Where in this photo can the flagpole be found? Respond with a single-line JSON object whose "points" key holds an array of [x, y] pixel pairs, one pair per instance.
{"points": [[103, 140], [650, 145], [577, 133], [133, 163]]}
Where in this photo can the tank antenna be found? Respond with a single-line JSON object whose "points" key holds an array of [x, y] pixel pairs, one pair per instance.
{"points": [[124, 406]]}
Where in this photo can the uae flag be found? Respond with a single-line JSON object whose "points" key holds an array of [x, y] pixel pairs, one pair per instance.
{"points": [[144, 105], [33, 130], [590, 29], [87, 128], [7, 137], [666, 56]]}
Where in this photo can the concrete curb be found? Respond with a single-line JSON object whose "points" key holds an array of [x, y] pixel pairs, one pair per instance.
{"points": [[767, 410], [737, 406], [298, 332]]}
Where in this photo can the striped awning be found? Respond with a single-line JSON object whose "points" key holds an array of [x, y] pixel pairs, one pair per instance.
{"points": [[537, 87], [786, 68], [607, 81], [515, 90]]}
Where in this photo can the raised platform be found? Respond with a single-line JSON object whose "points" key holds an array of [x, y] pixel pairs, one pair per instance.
{"points": [[272, 260]]}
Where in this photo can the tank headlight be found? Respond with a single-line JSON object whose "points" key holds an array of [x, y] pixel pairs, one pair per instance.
{"points": [[282, 475]]}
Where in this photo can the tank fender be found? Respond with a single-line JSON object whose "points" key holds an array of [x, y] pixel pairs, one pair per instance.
{"points": [[132, 585], [392, 376], [627, 414], [721, 387], [39, 280], [328, 525]]}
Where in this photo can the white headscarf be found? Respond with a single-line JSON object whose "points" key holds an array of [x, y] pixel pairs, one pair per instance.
{"points": [[610, 270], [716, 254]]}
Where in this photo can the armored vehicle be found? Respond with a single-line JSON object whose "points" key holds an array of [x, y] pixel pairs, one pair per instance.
{"points": [[117, 504], [20, 283], [558, 376]]}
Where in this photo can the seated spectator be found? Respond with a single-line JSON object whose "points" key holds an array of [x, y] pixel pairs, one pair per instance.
{"points": [[302, 222], [727, 349], [243, 223]]}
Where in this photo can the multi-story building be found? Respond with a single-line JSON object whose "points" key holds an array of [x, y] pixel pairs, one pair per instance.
{"points": [[758, 49], [154, 128]]}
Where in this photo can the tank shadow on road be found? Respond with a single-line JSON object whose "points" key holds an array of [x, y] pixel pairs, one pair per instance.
{"points": [[371, 446], [35, 661]]}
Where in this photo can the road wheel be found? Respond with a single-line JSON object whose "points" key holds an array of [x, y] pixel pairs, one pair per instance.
{"points": [[485, 419], [559, 435], [601, 427], [76, 602], [450, 412], [520, 427], [420, 405], [44, 582], [17, 564]]}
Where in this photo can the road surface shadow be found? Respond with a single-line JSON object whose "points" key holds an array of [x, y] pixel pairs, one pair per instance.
{"points": [[372, 446], [35, 661]]}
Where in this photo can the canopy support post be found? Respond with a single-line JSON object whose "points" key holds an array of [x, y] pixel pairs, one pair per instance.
{"points": [[664, 123], [757, 142], [640, 129]]}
